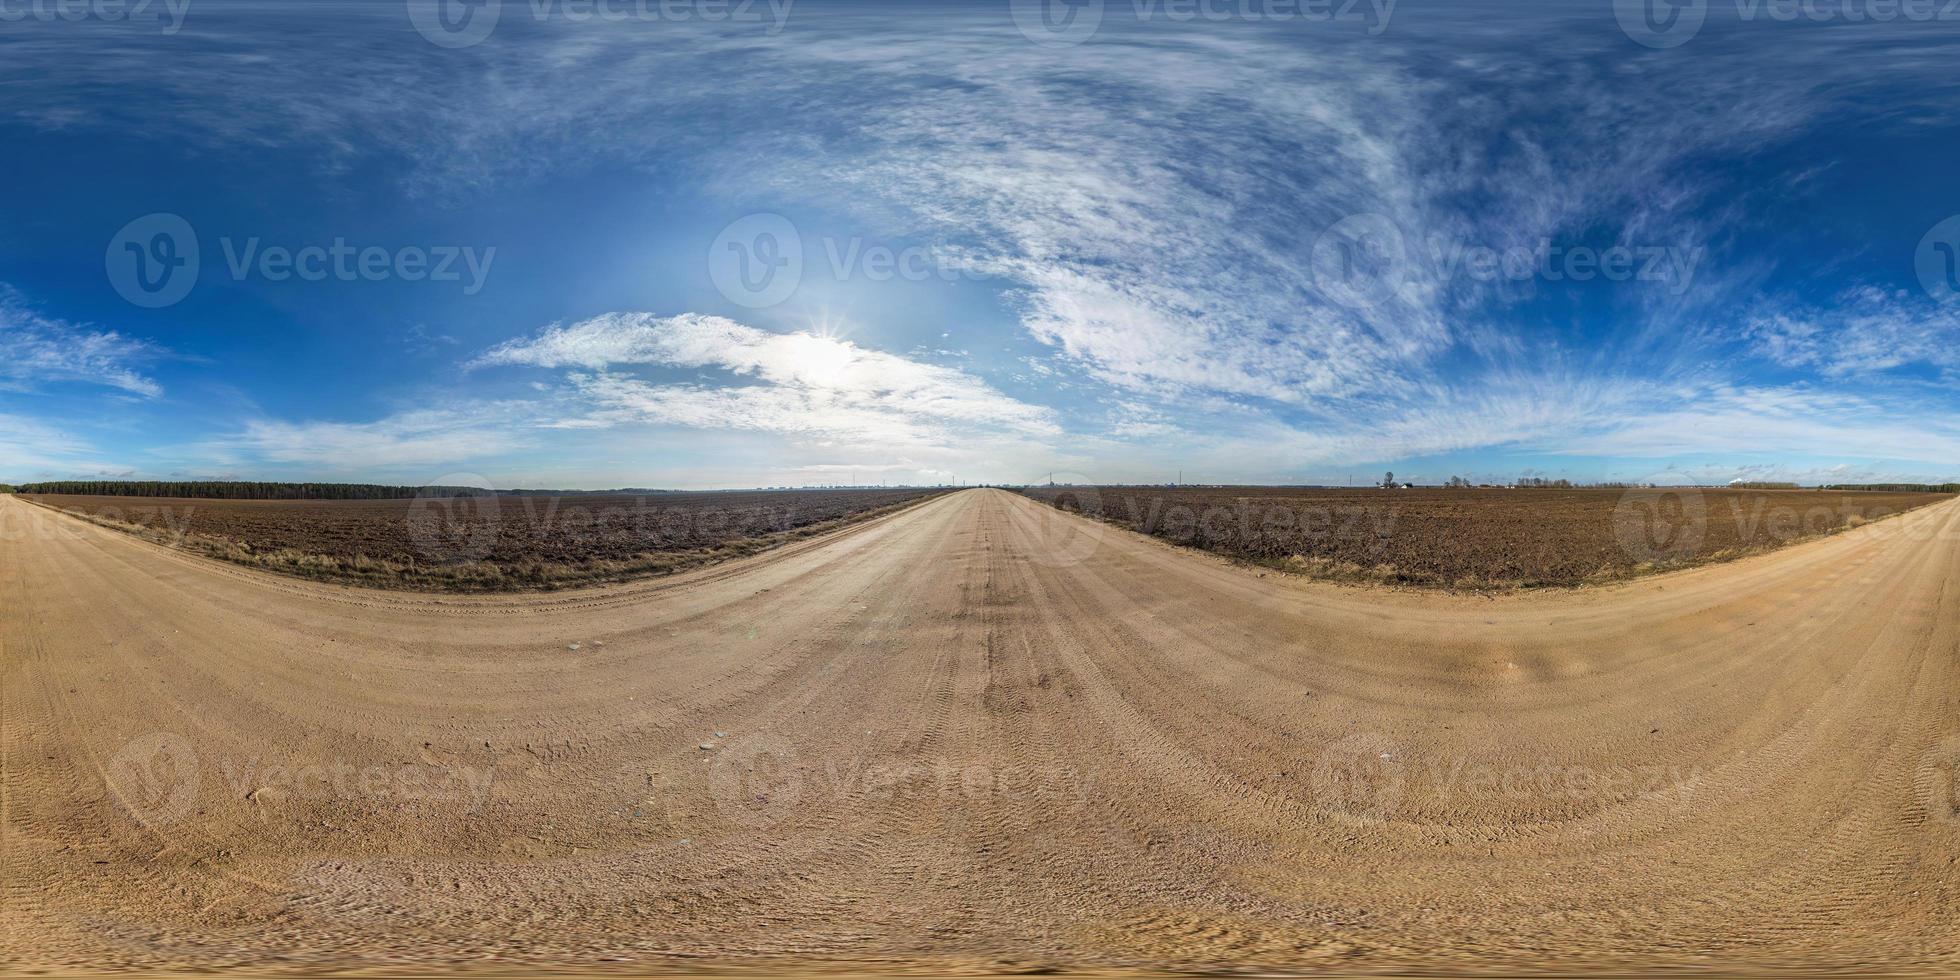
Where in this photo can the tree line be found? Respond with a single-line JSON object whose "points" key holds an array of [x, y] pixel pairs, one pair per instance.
{"points": [[1897, 487], [1539, 483], [244, 490]]}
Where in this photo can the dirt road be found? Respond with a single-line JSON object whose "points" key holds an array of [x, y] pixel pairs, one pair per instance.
{"points": [[980, 733]]}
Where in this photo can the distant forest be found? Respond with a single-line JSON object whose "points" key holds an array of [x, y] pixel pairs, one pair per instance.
{"points": [[248, 490], [243, 490], [1896, 487]]}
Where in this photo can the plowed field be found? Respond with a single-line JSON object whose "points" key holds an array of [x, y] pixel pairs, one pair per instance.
{"points": [[485, 543], [1478, 538]]}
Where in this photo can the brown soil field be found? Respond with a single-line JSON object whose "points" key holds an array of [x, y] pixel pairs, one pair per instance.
{"points": [[486, 543], [1480, 538], [981, 734]]}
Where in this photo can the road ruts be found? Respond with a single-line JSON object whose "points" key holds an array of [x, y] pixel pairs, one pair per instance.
{"points": [[981, 734]]}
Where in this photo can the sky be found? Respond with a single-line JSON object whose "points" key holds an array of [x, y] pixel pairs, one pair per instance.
{"points": [[730, 243]]}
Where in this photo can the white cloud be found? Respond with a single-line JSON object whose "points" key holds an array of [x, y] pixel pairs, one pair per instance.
{"points": [[31, 449], [1789, 421], [428, 437], [802, 383], [36, 351], [1864, 331]]}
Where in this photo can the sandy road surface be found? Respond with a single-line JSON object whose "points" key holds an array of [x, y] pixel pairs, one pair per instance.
{"points": [[978, 732]]}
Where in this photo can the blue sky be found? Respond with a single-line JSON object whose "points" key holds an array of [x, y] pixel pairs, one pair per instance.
{"points": [[698, 244]]}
